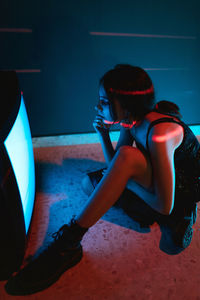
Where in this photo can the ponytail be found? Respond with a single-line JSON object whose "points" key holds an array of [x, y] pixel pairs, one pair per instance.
{"points": [[167, 107]]}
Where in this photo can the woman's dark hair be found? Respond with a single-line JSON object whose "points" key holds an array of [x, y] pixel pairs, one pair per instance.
{"points": [[169, 108], [133, 88]]}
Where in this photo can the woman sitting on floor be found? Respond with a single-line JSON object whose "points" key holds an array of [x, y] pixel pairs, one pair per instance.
{"points": [[161, 174]]}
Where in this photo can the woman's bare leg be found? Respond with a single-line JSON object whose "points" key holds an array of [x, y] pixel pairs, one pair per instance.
{"points": [[127, 163]]}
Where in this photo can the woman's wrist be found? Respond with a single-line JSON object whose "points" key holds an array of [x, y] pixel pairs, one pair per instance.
{"points": [[104, 132]]}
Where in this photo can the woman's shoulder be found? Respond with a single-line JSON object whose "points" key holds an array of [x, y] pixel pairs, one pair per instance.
{"points": [[164, 131]]}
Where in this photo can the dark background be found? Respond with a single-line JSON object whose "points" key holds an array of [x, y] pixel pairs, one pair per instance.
{"points": [[59, 62]]}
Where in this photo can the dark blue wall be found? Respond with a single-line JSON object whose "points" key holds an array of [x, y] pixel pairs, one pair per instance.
{"points": [[60, 60]]}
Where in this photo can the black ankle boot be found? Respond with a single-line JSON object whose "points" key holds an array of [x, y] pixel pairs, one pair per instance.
{"points": [[69, 236], [183, 232], [177, 232], [63, 253]]}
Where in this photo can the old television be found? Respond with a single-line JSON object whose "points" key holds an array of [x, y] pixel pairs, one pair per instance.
{"points": [[17, 174]]}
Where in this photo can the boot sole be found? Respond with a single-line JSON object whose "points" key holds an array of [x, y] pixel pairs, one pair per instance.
{"points": [[183, 236]]}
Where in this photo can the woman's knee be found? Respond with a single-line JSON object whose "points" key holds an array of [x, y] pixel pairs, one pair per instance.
{"points": [[137, 165], [131, 156]]}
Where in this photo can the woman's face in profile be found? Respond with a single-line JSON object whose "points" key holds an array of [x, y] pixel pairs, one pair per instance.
{"points": [[103, 107]]}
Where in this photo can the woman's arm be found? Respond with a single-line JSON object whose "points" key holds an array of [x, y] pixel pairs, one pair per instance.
{"points": [[107, 147], [163, 141], [102, 129], [125, 138]]}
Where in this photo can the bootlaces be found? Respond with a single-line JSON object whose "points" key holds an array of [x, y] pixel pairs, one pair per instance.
{"points": [[58, 234], [61, 241]]}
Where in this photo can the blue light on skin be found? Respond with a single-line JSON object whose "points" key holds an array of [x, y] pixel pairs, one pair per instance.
{"points": [[103, 107], [19, 148]]}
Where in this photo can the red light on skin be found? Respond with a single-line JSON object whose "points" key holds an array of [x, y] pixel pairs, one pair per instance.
{"points": [[168, 136], [125, 125], [122, 92], [110, 122]]}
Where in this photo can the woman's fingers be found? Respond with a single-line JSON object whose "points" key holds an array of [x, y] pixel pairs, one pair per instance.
{"points": [[98, 123]]}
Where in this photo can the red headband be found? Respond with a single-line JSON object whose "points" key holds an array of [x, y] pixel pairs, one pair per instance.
{"points": [[122, 92]]}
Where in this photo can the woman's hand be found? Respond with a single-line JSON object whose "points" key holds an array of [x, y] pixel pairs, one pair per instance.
{"points": [[100, 126]]}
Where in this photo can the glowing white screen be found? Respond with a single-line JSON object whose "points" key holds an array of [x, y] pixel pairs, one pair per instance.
{"points": [[19, 147]]}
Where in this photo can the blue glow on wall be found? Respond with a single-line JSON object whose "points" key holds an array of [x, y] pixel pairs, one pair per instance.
{"points": [[19, 147], [195, 129]]}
